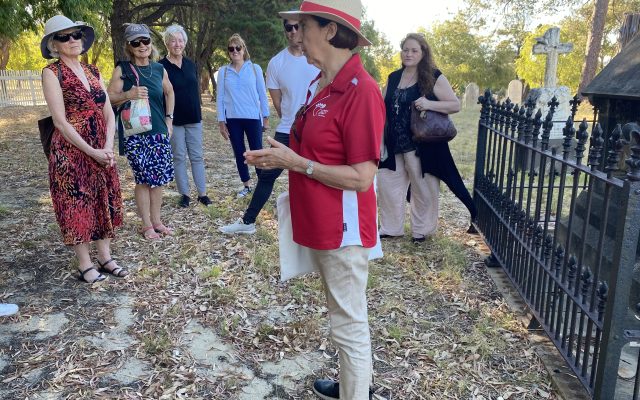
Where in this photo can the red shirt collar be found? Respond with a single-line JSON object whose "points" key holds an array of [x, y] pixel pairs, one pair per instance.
{"points": [[346, 74]]}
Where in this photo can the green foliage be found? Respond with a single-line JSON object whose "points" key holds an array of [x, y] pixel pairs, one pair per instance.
{"points": [[467, 57], [378, 59], [25, 52]]}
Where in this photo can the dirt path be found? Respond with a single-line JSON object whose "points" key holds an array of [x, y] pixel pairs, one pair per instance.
{"points": [[205, 316]]}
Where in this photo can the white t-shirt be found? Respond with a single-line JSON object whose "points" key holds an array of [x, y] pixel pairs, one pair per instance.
{"points": [[291, 75]]}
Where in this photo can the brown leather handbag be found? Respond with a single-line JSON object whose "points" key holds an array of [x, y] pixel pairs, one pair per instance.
{"points": [[431, 126]]}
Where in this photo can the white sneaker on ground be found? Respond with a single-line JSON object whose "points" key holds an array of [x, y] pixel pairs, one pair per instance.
{"points": [[244, 192], [239, 227], [8, 309]]}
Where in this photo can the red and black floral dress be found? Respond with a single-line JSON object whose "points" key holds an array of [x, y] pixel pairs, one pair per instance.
{"points": [[86, 196]]}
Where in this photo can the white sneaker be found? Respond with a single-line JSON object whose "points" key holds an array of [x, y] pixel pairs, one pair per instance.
{"points": [[239, 227], [244, 192], [8, 309]]}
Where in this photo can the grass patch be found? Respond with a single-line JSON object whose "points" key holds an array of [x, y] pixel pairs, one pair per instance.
{"points": [[265, 330], [220, 294], [220, 209], [4, 211], [212, 273], [158, 343]]}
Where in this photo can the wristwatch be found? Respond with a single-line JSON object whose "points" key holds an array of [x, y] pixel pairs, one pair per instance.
{"points": [[309, 170], [170, 116]]}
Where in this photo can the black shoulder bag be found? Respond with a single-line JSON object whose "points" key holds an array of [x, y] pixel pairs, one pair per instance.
{"points": [[45, 125]]}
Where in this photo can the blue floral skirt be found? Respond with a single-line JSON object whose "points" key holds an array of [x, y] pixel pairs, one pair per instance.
{"points": [[150, 158]]}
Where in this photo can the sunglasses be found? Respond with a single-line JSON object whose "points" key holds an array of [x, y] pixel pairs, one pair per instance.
{"points": [[234, 48], [291, 27], [299, 122], [63, 38], [138, 42]]}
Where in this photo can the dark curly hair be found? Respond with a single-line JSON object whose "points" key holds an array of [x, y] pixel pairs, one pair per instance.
{"points": [[426, 66]]}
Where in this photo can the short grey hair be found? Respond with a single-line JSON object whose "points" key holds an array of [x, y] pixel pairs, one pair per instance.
{"points": [[173, 30]]}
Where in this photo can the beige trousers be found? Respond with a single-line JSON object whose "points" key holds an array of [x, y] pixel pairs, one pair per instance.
{"points": [[392, 190], [344, 274]]}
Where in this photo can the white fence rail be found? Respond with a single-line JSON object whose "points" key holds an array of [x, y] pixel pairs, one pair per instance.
{"points": [[20, 88]]}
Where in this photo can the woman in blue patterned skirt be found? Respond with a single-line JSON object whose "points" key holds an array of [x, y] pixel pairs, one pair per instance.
{"points": [[149, 153]]}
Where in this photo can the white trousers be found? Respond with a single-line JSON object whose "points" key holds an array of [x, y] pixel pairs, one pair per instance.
{"points": [[344, 274], [392, 191]]}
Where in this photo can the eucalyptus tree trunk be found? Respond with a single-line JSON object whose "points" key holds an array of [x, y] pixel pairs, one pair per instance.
{"points": [[5, 45], [630, 28], [594, 42], [120, 15]]}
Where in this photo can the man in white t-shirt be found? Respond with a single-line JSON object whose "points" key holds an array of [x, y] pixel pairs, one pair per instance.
{"points": [[288, 78]]}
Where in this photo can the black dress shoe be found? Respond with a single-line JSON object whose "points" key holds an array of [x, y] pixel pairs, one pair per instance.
{"points": [[417, 240], [330, 390], [205, 200], [184, 201]]}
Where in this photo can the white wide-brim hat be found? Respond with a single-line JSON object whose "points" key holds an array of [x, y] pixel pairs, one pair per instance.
{"points": [[59, 23], [343, 12]]}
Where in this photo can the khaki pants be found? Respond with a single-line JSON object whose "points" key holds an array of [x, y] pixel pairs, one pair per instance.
{"points": [[392, 190], [344, 274]]}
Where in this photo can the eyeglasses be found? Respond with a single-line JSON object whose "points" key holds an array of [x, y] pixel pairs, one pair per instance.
{"points": [[234, 48], [291, 27], [63, 38], [138, 42]]}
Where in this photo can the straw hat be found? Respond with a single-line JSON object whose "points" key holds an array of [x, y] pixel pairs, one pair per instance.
{"points": [[59, 23], [343, 12]]}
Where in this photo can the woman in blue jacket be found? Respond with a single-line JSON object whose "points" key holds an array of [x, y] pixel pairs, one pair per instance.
{"points": [[242, 105]]}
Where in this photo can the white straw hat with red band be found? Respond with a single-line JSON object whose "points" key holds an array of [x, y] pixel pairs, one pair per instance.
{"points": [[344, 12]]}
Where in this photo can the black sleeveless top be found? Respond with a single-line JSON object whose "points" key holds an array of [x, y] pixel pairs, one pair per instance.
{"points": [[398, 103]]}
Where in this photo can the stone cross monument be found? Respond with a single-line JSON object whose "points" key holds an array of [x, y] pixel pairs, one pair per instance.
{"points": [[549, 45]]}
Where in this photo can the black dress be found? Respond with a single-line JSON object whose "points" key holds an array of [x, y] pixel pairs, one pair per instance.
{"points": [[435, 158]]}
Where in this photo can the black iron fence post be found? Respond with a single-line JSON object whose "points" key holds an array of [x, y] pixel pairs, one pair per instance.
{"points": [[619, 311], [622, 304]]}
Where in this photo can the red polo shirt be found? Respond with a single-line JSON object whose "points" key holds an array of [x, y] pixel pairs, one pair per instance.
{"points": [[342, 125]]}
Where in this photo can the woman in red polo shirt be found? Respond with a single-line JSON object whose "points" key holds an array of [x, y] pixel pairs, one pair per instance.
{"points": [[335, 149]]}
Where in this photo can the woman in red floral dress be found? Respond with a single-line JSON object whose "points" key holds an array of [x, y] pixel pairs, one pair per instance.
{"points": [[83, 180]]}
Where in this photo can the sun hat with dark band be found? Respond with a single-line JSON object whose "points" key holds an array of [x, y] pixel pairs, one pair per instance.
{"points": [[344, 12], [60, 23]]}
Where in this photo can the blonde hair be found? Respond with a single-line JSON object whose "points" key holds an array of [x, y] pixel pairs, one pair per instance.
{"points": [[237, 39]]}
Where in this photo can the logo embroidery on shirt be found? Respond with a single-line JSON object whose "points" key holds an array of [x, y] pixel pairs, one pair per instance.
{"points": [[320, 110]]}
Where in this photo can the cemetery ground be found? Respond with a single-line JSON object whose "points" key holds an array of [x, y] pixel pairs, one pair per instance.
{"points": [[204, 316]]}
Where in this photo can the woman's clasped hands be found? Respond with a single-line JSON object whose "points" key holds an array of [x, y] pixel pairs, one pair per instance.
{"points": [[105, 157]]}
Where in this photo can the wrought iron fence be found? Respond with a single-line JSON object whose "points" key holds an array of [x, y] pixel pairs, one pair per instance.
{"points": [[565, 227]]}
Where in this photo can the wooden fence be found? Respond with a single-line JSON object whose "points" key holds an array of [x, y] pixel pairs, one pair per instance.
{"points": [[20, 88]]}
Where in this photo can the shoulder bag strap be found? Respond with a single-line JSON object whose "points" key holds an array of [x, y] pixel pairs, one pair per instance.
{"points": [[133, 69]]}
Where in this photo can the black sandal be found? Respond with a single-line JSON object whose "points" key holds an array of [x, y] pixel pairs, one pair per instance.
{"points": [[118, 272], [83, 273]]}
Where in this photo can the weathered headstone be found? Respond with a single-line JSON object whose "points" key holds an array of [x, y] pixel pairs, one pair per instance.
{"points": [[549, 45], [471, 94], [514, 91]]}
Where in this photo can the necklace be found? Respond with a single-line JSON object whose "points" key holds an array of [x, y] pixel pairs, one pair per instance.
{"points": [[139, 69], [407, 82]]}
